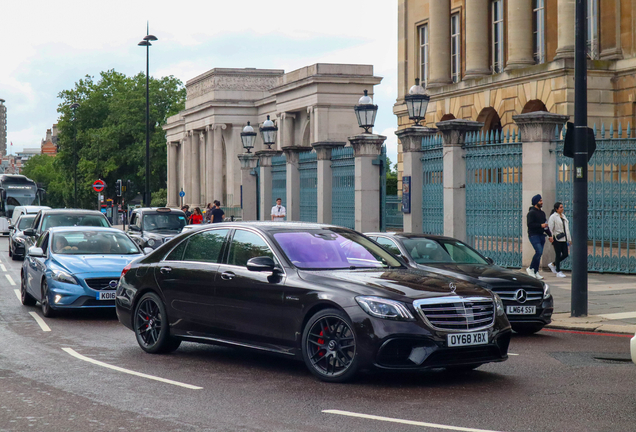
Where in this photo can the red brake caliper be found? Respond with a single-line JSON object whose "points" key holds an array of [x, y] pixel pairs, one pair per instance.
{"points": [[321, 342]]}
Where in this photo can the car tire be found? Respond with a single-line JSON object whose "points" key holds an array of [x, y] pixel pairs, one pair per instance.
{"points": [[150, 324], [45, 304], [329, 346], [10, 253], [26, 298], [13, 256], [527, 329]]}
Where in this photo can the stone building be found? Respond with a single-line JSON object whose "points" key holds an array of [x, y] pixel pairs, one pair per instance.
{"points": [[48, 146], [309, 105], [488, 60]]}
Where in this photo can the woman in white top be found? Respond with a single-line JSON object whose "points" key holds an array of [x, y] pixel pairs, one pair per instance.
{"points": [[560, 229]]}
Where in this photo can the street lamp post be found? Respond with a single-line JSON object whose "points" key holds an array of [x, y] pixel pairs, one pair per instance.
{"points": [[417, 102], [74, 107], [146, 42], [366, 112], [268, 132], [247, 137]]}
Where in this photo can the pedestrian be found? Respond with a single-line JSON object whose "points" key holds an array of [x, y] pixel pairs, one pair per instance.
{"points": [[217, 212], [560, 229], [208, 213], [197, 217], [186, 210], [537, 231], [278, 211]]}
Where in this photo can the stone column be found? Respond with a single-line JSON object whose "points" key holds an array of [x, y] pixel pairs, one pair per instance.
{"points": [[248, 181], [411, 140], [288, 130], [539, 170], [187, 168], [209, 164], [195, 173], [310, 117], [173, 181], [202, 182], [265, 163], [367, 148], [520, 51], [218, 162], [293, 182], [324, 180], [477, 42], [440, 43], [454, 135], [565, 18]]}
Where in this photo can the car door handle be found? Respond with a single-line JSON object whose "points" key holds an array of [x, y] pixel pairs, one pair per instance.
{"points": [[227, 275], [164, 270]]}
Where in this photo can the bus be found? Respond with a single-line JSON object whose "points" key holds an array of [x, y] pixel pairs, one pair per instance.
{"points": [[16, 190]]}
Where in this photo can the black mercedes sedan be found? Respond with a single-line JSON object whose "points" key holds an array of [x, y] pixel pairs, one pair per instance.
{"points": [[17, 239], [323, 294], [529, 304]]}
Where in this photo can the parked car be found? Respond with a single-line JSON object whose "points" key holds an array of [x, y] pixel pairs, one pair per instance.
{"points": [[17, 239], [323, 294], [529, 304], [76, 268], [25, 210], [46, 219], [152, 227]]}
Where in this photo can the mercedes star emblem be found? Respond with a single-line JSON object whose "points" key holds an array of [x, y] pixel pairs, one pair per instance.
{"points": [[452, 287], [521, 296]]}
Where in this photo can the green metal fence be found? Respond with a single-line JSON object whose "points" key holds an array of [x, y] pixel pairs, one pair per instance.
{"points": [[308, 168], [394, 218], [279, 179], [343, 187], [493, 196], [611, 199], [433, 186]]}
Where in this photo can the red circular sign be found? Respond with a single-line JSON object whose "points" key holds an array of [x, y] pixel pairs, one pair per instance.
{"points": [[99, 185]]}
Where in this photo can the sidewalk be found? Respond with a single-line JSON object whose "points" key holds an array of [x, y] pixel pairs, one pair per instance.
{"points": [[611, 303]]}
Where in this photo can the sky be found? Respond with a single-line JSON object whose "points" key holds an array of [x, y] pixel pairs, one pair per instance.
{"points": [[47, 46]]}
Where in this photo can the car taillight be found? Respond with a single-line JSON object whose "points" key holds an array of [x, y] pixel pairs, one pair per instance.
{"points": [[125, 270]]}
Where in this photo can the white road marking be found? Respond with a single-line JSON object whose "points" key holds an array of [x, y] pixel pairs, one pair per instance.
{"points": [[17, 294], [3, 267], [619, 315], [408, 422], [117, 368], [38, 319], [10, 279]]}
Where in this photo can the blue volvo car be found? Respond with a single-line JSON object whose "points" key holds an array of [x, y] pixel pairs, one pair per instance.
{"points": [[76, 268]]}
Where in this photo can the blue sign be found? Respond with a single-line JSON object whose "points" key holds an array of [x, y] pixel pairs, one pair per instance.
{"points": [[182, 194], [406, 194]]}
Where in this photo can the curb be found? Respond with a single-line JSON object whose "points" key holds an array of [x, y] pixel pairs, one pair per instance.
{"points": [[626, 329]]}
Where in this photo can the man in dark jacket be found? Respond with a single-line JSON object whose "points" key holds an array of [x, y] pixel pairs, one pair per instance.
{"points": [[537, 230]]}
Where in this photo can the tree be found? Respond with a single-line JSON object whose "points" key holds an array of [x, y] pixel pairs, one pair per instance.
{"points": [[109, 133], [391, 177], [43, 170]]}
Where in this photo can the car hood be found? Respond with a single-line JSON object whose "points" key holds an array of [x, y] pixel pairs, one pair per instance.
{"points": [[396, 283], [78, 264], [492, 275], [161, 234]]}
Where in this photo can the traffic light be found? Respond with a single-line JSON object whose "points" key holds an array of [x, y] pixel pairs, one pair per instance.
{"points": [[129, 185], [118, 188]]}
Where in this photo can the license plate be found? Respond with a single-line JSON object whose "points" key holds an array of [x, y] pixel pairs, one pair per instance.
{"points": [[521, 310], [106, 295], [464, 339]]}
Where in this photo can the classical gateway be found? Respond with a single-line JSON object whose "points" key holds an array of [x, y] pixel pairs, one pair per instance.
{"points": [[309, 105]]}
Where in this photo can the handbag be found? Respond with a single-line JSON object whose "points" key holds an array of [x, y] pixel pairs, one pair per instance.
{"points": [[561, 235]]}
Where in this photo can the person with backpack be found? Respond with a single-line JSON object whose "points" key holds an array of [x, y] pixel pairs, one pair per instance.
{"points": [[560, 229]]}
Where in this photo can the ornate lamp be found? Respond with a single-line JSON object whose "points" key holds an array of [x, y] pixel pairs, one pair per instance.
{"points": [[417, 102], [366, 112], [247, 137], [268, 132]]}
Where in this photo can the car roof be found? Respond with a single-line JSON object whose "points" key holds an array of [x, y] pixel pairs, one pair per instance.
{"points": [[34, 208], [410, 235], [156, 210], [73, 211], [278, 226], [84, 228]]}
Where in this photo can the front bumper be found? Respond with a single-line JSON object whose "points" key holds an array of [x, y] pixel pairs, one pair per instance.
{"points": [[75, 296], [412, 345]]}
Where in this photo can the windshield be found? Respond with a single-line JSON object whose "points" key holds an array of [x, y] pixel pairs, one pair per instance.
{"points": [[25, 222], [333, 249], [89, 220], [93, 243], [426, 251], [22, 196], [164, 222]]}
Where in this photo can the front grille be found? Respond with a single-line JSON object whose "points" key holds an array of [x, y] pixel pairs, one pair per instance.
{"points": [[101, 283], [510, 293], [457, 313]]}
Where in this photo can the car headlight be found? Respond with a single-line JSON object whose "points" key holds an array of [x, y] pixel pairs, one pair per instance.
{"points": [[499, 306], [62, 276], [546, 291], [384, 308], [151, 242], [18, 239]]}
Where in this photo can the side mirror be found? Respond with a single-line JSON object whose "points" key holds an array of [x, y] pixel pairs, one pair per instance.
{"points": [[490, 261], [148, 250], [36, 252], [261, 264], [29, 232], [11, 227]]}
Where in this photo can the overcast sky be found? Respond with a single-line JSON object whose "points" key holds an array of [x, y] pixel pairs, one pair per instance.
{"points": [[47, 46]]}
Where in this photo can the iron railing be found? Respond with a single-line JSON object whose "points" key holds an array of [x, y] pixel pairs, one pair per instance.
{"points": [[433, 185], [308, 169], [343, 187]]}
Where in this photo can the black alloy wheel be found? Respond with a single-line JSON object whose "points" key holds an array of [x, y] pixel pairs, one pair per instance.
{"points": [[26, 298], [151, 326], [329, 346], [47, 310]]}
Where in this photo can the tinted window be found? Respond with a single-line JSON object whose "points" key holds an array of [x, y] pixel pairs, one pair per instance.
{"points": [[205, 246], [93, 243], [65, 220], [424, 250], [462, 254], [247, 245], [177, 253], [389, 245], [158, 222], [25, 222]]}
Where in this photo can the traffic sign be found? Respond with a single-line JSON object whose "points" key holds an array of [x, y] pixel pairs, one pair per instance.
{"points": [[181, 194], [99, 185]]}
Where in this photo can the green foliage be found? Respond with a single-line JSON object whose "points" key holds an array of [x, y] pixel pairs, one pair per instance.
{"points": [[44, 171], [107, 139], [159, 198], [391, 177]]}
